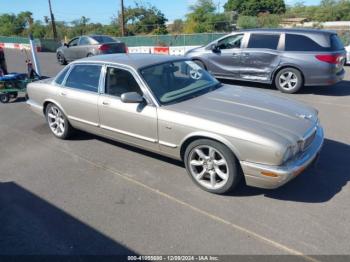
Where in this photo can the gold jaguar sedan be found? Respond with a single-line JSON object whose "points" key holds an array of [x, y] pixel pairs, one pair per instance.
{"points": [[170, 106]]}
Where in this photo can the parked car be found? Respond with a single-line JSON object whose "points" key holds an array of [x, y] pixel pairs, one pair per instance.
{"points": [[169, 105], [347, 48], [287, 58], [88, 45]]}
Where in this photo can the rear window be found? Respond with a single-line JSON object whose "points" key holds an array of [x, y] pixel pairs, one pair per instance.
{"points": [[268, 41], [336, 43], [302, 43], [103, 39], [84, 77]]}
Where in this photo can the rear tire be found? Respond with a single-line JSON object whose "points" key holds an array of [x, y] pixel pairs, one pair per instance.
{"points": [[4, 98], [289, 80], [212, 166], [58, 122], [61, 59]]}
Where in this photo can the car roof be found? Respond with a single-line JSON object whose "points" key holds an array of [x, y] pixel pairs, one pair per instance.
{"points": [[290, 30], [135, 61]]}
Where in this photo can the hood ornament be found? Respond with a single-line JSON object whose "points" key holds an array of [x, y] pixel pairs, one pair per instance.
{"points": [[303, 116]]}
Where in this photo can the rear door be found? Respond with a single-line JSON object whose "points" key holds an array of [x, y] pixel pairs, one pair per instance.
{"points": [[260, 57], [79, 95], [225, 60]]}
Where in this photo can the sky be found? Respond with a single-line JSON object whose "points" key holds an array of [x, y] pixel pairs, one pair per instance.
{"points": [[103, 10]]}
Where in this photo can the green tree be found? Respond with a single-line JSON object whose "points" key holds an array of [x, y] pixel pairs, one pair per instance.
{"points": [[254, 7], [144, 19], [177, 26], [203, 18]]}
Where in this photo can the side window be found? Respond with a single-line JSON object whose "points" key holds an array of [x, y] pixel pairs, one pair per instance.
{"points": [[59, 79], [74, 42], [119, 81], [230, 42], [267, 41], [84, 77], [302, 43], [84, 41]]}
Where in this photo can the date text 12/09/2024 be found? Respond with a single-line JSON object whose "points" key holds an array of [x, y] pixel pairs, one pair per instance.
{"points": [[173, 258]]}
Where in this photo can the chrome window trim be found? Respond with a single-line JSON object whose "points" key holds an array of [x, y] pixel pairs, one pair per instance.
{"points": [[144, 88]]}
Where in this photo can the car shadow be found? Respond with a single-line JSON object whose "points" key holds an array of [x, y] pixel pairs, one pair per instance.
{"points": [[81, 136], [340, 89], [32, 226], [316, 185]]}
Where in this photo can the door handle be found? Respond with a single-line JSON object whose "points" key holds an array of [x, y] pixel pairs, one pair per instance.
{"points": [[246, 54], [63, 94], [105, 103]]}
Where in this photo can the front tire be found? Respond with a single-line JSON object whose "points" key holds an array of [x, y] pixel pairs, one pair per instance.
{"points": [[212, 166], [61, 59], [289, 80], [58, 122]]}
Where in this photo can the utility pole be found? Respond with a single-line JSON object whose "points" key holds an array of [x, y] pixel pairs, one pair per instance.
{"points": [[122, 17], [53, 21]]}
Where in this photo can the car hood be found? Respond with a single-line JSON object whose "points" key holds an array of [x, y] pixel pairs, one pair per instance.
{"points": [[256, 112]]}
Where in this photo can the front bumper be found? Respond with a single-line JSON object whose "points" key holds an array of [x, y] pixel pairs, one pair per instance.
{"points": [[255, 174]]}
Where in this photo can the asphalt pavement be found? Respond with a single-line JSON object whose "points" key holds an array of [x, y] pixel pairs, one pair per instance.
{"points": [[90, 195]]}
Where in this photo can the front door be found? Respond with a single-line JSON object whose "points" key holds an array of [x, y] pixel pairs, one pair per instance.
{"points": [[225, 59], [79, 95], [134, 123], [261, 57], [70, 52]]}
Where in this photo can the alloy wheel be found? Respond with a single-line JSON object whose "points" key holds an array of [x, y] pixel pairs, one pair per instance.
{"points": [[288, 80], [56, 121], [208, 167]]}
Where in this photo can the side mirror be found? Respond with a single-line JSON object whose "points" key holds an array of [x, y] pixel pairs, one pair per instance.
{"points": [[66, 45], [215, 48], [132, 97]]}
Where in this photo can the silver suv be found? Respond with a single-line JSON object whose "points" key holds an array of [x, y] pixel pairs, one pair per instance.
{"points": [[288, 58]]}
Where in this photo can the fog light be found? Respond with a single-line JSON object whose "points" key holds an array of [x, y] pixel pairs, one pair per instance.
{"points": [[269, 174]]}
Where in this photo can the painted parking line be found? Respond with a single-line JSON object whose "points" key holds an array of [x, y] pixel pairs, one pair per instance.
{"points": [[207, 214]]}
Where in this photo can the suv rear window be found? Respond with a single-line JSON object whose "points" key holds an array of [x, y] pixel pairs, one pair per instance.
{"points": [[296, 42], [336, 43], [267, 41]]}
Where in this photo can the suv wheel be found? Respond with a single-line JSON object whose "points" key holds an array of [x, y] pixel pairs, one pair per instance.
{"points": [[58, 122], [212, 166], [289, 80]]}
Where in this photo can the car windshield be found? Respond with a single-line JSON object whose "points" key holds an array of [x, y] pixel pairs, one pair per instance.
{"points": [[103, 39], [173, 82]]}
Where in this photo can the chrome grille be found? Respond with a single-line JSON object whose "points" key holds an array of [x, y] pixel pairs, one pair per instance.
{"points": [[309, 139]]}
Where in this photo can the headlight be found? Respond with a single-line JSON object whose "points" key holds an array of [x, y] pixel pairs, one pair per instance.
{"points": [[292, 151]]}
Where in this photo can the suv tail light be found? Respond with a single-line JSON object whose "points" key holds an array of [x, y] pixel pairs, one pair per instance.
{"points": [[331, 59], [104, 47]]}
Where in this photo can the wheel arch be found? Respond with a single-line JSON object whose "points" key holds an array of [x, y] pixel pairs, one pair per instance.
{"points": [[206, 135], [200, 60], [51, 101]]}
